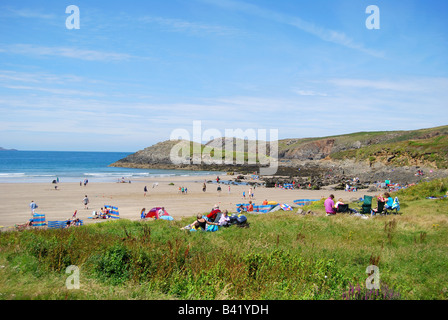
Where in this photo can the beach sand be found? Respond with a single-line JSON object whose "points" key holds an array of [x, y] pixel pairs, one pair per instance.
{"points": [[60, 204]]}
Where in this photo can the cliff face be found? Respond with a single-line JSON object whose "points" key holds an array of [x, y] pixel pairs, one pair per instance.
{"points": [[393, 148], [315, 150]]}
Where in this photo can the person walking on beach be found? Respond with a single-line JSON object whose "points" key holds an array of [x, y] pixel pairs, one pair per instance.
{"points": [[86, 202], [33, 207], [144, 191]]}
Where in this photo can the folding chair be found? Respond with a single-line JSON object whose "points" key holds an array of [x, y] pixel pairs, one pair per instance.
{"points": [[380, 209], [366, 207], [342, 208]]}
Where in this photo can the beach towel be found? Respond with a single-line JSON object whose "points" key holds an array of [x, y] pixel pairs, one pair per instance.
{"points": [[304, 202], [285, 207], [396, 204]]}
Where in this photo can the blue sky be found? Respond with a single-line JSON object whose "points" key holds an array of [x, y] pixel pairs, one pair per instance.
{"points": [[137, 70]]}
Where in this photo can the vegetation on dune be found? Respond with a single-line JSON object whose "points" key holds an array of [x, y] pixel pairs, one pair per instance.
{"points": [[431, 151], [281, 255]]}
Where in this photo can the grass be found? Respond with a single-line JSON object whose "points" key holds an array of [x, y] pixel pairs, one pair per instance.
{"points": [[432, 151], [281, 255]]}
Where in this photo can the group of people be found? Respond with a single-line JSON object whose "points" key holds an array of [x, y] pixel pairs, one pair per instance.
{"points": [[183, 190], [386, 199], [102, 214], [250, 194], [331, 207], [216, 217], [157, 213]]}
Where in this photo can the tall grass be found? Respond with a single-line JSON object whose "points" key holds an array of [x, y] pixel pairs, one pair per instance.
{"points": [[281, 255]]}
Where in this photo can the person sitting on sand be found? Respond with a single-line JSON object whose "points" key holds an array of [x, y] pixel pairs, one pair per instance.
{"points": [[329, 205], [104, 213], [265, 202], [143, 213]]}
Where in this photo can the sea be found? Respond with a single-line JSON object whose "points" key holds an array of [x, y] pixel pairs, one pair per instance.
{"points": [[75, 166]]}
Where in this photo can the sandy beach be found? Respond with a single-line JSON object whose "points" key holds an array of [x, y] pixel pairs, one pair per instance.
{"points": [[60, 204]]}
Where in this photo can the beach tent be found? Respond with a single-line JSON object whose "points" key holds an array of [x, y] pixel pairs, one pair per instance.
{"points": [[152, 214]]}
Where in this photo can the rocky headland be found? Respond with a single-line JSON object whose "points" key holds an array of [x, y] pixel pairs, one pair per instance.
{"points": [[364, 158]]}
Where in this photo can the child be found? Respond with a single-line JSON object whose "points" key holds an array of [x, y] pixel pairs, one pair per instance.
{"points": [[224, 220]]}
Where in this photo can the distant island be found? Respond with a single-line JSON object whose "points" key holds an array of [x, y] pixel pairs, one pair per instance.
{"points": [[3, 149]]}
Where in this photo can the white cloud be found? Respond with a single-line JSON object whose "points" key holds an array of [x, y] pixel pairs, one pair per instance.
{"points": [[309, 93], [324, 34], [403, 85], [65, 52], [192, 28], [29, 13]]}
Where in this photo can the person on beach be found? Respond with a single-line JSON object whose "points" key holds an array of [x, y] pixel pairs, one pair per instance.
{"points": [[329, 205], [104, 213], [224, 220], [251, 207], [214, 213], [160, 213], [204, 187], [86, 202], [143, 213], [389, 201], [33, 207], [241, 208], [340, 201], [201, 223], [144, 191]]}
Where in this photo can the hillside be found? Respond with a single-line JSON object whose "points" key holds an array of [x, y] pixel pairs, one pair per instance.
{"points": [[349, 154]]}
